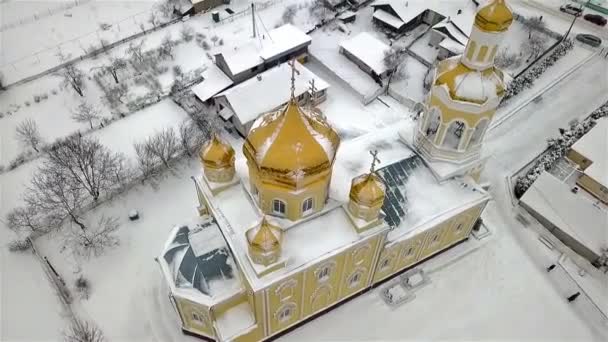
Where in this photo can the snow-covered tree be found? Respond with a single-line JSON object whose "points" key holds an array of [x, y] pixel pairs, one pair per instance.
{"points": [[26, 220], [85, 112], [114, 66], [506, 59], [136, 51], [152, 19], [83, 331], [166, 47], [320, 10], [393, 60], [190, 137], [88, 165], [289, 14], [97, 238], [72, 76], [187, 33], [534, 24], [535, 45], [28, 134], [164, 146]]}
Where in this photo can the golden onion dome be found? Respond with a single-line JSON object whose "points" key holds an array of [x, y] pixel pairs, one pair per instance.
{"points": [[265, 237], [469, 85], [495, 16], [290, 141], [217, 154], [367, 190]]}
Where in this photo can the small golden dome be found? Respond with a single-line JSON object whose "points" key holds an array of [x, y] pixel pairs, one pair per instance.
{"points": [[367, 190], [292, 141], [265, 237], [458, 79], [496, 16], [216, 154]]}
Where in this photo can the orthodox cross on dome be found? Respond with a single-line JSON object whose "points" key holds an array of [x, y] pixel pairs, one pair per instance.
{"points": [[292, 64], [375, 160]]}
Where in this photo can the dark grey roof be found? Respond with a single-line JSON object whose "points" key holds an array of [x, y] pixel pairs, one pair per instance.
{"points": [[395, 176], [197, 255]]}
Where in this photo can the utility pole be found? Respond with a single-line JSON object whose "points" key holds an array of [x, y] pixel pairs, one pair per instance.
{"points": [[253, 17]]}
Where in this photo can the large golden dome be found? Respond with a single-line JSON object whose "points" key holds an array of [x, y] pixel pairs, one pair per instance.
{"points": [[291, 142], [265, 237], [469, 85], [495, 16], [216, 154], [367, 190]]}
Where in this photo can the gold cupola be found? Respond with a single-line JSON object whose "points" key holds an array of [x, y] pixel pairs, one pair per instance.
{"points": [[495, 16], [217, 158], [264, 243], [290, 155], [366, 195]]}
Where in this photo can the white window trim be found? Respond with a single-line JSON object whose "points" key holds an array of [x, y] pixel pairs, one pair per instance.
{"points": [[359, 250], [330, 266], [201, 321], [279, 316], [358, 271], [290, 284]]}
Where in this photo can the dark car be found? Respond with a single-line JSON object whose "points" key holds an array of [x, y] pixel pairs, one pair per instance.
{"points": [[572, 9], [596, 19], [589, 39]]}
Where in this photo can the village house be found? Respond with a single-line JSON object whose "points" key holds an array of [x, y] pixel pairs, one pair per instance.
{"points": [[367, 52]]}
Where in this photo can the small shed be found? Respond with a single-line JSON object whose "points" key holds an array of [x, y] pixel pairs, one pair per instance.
{"points": [[367, 52]]}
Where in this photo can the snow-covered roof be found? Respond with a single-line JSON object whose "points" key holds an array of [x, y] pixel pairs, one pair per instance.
{"points": [[269, 90], [452, 46], [388, 19], [198, 264], [368, 49], [214, 81], [408, 10], [574, 214], [477, 86], [248, 55], [594, 147], [449, 29], [283, 38]]}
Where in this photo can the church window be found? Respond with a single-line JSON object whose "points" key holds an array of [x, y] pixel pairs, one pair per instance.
{"points": [[307, 206], [471, 51], [493, 53], [355, 279], [453, 135], [459, 227], [435, 240], [360, 254], [482, 53], [433, 122], [197, 318], [323, 274], [385, 264], [286, 290], [285, 312], [279, 207]]}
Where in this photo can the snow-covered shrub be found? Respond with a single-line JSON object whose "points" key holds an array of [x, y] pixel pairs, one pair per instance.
{"points": [[83, 287], [289, 14], [205, 45], [558, 148], [19, 245], [527, 79], [187, 33], [83, 331]]}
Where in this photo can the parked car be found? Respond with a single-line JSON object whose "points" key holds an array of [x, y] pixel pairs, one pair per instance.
{"points": [[572, 9], [589, 39], [596, 19]]}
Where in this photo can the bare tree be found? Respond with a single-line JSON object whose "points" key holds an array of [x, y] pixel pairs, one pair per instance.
{"points": [[166, 47], [114, 95], [190, 137], [393, 60], [83, 331], [85, 113], [534, 46], [88, 165], [289, 14], [26, 220], [208, 123], [187, 33], [52, 192], [136, 51], [115, 65], [215, 39], [164, 146], [320, 10], [28, 134], [167, 8], [95, 240], [73, 77], [147, 163], [534, 24], [152, 19], [506, 59]]}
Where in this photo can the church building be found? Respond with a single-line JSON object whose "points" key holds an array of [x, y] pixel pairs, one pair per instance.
{"points": [[289, 228]]}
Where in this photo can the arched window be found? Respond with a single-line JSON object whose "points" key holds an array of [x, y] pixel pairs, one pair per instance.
{"points": [[482, 53], [198, 318], [279, 207], [471, 50], [285, 312], [307, 206], [355, 279], [432, 123], [478, 132], [453, 135], [385, 263]]}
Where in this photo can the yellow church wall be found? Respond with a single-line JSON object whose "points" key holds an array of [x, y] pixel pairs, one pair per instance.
{"points": [[284, 301], [321, 284], [294, 201], [358, 263], [595, 188], [387, 262], [579, 159], [195, 317]]}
